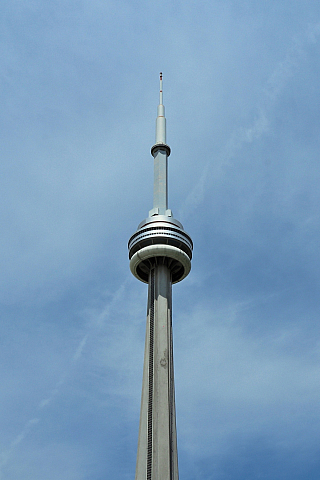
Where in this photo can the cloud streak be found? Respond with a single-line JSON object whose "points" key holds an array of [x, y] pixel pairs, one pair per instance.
{"points": [[79, 96], [261, 125]]}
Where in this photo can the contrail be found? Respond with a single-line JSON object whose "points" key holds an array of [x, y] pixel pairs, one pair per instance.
{"points": [[30, 424], [6, 454], [272, 90], [96, 322]]}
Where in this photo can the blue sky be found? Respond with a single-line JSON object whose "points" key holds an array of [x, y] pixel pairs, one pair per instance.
{"points": [[79, 91]]}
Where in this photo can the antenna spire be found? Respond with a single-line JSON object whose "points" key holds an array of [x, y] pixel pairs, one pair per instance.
{"points": [[160, 152], [161, 119], [161, 94]]}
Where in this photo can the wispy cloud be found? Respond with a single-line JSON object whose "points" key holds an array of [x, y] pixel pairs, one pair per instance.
{"points": [[95, 324], [6, 455], [262, 122], [247, 383]]}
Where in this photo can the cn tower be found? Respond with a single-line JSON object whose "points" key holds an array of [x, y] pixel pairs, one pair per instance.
{"points": [[160, 253]]}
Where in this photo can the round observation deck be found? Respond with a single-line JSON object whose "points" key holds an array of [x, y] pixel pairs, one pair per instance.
{"points": [[160, 240]]}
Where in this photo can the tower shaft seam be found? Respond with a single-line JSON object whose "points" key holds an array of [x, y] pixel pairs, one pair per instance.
{"points": [[150, 396]]}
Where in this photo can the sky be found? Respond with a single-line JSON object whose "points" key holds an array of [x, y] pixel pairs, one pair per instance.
{"points": [[79, 95]]}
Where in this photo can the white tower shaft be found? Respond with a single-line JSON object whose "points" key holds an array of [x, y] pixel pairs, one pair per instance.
{"points": [[160, 253], [157, 457]]}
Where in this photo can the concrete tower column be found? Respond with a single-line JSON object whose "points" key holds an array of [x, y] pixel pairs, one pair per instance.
{"points": [[160, 253], [157, 445]]}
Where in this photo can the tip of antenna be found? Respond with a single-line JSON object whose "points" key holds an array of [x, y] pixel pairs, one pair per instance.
{"points": [[161, 95]]}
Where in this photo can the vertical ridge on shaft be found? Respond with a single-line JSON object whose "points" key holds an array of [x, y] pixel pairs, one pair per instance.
{"points": [[171, 396], [150, 394]]}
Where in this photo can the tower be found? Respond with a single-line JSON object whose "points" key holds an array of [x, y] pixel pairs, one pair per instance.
{"points": [[160, 253]]}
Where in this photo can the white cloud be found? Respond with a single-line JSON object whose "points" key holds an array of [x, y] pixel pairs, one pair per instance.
{"points": [[241, 90], [230, 381]]}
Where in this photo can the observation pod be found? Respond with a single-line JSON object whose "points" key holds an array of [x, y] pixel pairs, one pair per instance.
{"points": [[160, 253], [160, 240]]}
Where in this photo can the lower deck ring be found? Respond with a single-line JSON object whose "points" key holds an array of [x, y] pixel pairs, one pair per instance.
{"points": [[153, 251]]}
